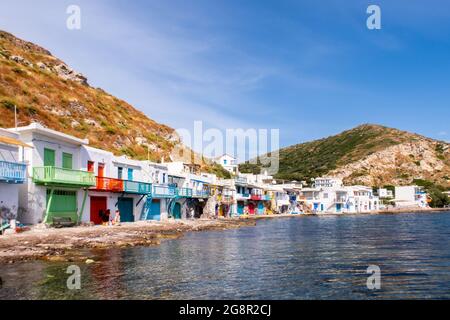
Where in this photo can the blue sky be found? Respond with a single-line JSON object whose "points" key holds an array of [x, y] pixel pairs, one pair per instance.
{"points": [[309, 68]]}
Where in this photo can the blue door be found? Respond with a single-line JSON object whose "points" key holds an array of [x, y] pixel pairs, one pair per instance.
{"points": [[125, 206], [260, 207], [155, 210], [316, 206], [321, 207], [240, 208], [338, 207]]}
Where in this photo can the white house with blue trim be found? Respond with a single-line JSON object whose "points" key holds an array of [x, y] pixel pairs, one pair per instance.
{"points": [[13, 173]]}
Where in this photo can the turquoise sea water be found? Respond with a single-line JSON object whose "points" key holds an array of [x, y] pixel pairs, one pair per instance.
{"points": [[299, 258]]}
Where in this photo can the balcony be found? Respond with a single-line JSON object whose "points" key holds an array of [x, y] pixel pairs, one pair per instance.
{"points": [[63, 177], [109, 184], [184, 192], [242, 196], [12, 172], [200, 193], [256, 197], [137, 187], [240, 180], [164, 191]]}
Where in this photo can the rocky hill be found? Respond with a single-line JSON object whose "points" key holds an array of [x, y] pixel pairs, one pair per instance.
{"points": [[372, 155], [45, 89]]}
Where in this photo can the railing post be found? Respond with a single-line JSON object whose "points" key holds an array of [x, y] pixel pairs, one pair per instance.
{"points": [[47, 210]]}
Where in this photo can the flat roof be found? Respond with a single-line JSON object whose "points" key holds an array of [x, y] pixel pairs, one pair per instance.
{"points": [[38, 128]]}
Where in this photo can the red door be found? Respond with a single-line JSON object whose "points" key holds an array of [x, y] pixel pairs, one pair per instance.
{"points": [[251, 208], [98, 205]]}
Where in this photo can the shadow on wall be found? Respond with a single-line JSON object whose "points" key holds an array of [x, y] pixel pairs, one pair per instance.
{"points": [[7, 213]]}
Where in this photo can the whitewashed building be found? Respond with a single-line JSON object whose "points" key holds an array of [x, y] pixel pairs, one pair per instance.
{"points": [[228, 162], [121, 184], [60, 181], [12, 174], [411, 196], [329, 195]]}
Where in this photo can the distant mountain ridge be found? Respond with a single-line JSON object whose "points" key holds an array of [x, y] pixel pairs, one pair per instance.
{"points": [[369, 154]]}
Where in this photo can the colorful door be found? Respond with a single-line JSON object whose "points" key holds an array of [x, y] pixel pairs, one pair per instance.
{"points": [[98, 205], [125, 206], [155, 210], [67, 161], [101, 170], [62, 203], [130, 174], [49, 157], [338, 207], [251, 208], [240, 208], [177, 211], [261, 208]]}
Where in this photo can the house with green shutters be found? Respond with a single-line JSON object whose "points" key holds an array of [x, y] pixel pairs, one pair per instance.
{"points": [[59, 182]]}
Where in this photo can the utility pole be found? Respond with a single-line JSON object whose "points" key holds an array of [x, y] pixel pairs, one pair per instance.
{"points": [[15, 117]]}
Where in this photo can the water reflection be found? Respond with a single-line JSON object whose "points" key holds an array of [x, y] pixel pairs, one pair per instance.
{"points": [[306, 258]]}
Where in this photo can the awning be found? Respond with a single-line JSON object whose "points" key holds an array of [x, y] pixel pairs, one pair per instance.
{"points": [[12, 141]]}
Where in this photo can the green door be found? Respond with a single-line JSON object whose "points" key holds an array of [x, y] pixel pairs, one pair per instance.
{"points": [[61, 203], [125, 206], [67, 161], [49, 157]]}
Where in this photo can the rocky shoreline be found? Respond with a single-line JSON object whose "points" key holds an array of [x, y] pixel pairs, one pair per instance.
{"points": [[68, 244], [72, 244]]}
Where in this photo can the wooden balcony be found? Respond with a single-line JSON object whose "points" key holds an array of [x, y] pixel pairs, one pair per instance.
{"points": [[64, 177], [13, 172], [137, 187], [109, 184], [163, 191], [184, 192]]}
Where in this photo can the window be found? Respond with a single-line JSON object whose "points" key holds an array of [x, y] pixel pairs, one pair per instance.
{"points": [[224, 161], [164, 178], [67, 160], [119, 172], [49, 157], [130, 174]]}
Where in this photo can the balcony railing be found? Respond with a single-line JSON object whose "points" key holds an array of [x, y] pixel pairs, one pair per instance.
{"points": [[164, 191], [200, 193], [60, 176], [137, 187], [184, 192], [12, 172], [240, 180], [109, 184], [242, 196], [256, 197]]}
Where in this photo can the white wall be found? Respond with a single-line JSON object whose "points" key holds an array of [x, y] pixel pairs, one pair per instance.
{"points": [[9, 197]]}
